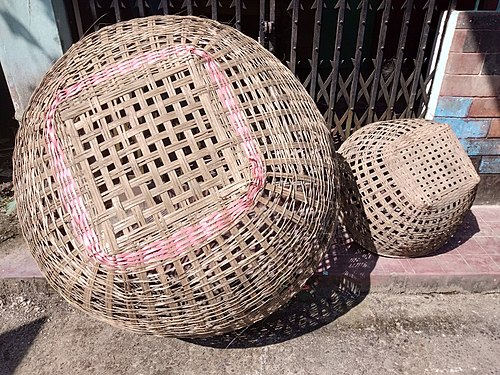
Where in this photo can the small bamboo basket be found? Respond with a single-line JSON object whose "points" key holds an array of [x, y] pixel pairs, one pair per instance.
{"points": [[174, 178], [406, 186]]}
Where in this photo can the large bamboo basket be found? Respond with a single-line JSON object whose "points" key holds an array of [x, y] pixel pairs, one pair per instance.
{"points": [[173, 177]]}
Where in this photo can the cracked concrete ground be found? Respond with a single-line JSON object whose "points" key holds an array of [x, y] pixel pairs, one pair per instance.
{"points": [[381, 334]]}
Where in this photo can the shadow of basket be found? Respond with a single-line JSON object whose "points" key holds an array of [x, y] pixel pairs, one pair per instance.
{"points": [[352, 209], [340, 283], [465, 231]]}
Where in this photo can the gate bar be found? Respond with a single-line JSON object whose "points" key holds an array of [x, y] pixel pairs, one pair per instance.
{"points": [[389, 113], [293, 42], [237, 4], [213, 7], [272, 20], [78, 18], [315, 48], [357, 67], [420, 58], [140, 7], [262, 20], [380, 58], [335, 65], [94, 14], [189, 7], [164, 6]]}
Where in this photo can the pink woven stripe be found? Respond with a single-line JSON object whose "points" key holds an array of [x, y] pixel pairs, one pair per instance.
{"points": [[185, 237]]}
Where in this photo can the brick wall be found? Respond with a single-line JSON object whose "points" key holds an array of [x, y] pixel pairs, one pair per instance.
{"points": [[469, 99]]}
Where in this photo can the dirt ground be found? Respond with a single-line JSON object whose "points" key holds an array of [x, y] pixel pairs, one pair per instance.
{"points": [[9, 225], [384, 334]]}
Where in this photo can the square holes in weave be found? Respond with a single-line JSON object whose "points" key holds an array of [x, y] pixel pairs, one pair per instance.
{"points": [[435, 165], [156, 151]]}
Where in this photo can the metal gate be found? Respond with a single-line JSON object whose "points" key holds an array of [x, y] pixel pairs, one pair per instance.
{"points": [[361, 61]]}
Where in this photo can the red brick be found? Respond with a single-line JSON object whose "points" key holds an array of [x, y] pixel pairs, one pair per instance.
{"points": [[470, 247], [471, 43], [482, 263], [479, 20], [495, 227], [453, 264], [494, 131], [485, 107], [496, 259], [451, 247], [425, 265], [390, 265], [406, 265], [468, 85], [482, 41], [485, 229], [490, 245], [491, 64], [457, 44], [464, 63], [394, 267], [488, 214]]}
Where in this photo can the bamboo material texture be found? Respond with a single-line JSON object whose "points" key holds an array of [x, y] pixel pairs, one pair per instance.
{"points": [[406, 186], [174, 178]]}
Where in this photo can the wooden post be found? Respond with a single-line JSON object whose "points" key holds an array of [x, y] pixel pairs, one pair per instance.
{"points": [[30, 42]]}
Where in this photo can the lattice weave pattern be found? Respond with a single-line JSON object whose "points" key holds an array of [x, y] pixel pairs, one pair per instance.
{"points": [[406, 186], [173, 177]]}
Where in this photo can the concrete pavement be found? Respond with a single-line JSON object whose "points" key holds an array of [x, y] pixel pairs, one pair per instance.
{"points": [[382, 334]]}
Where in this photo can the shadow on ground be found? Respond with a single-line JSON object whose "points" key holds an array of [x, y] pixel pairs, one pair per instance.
{"points": [[14, 345], [464, 232], [342, 282]]}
